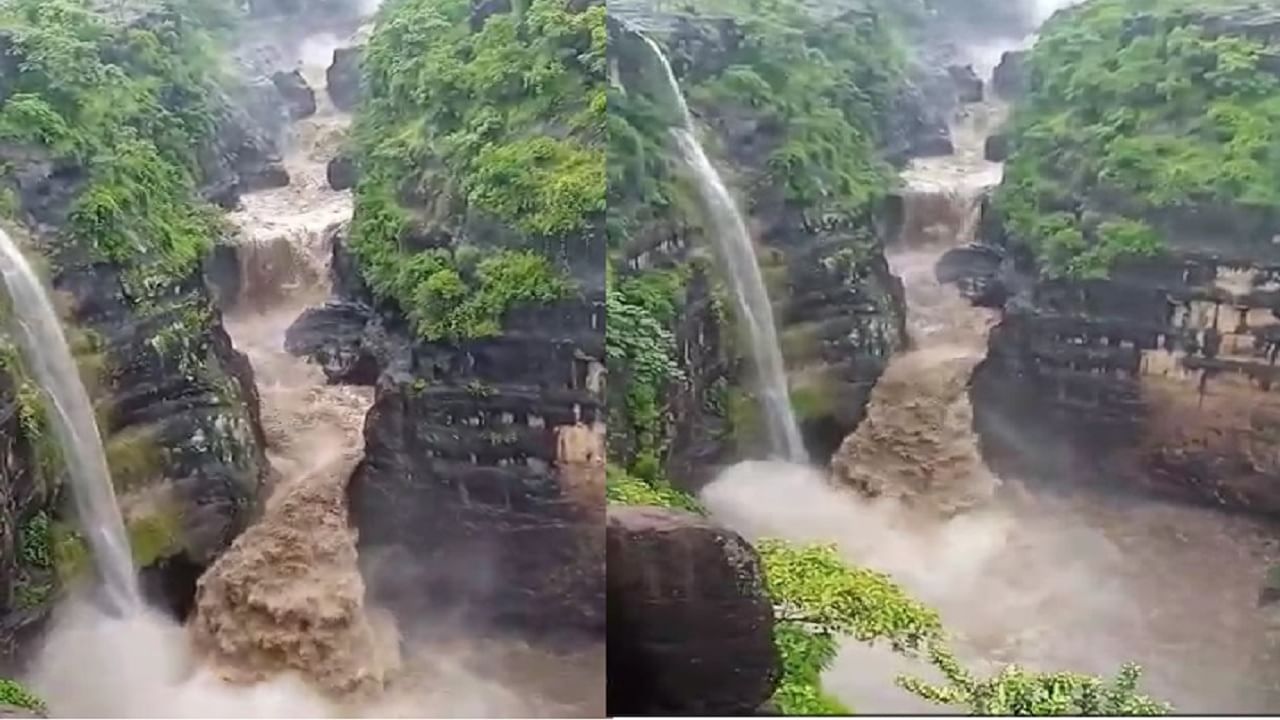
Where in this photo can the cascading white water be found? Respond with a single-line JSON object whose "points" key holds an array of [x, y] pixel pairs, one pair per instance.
{"points": [[44, 349], [755, 312]]}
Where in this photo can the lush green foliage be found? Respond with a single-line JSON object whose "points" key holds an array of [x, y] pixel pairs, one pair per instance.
{"points": [[15, 695], [1016, 691], [823, 599], [641, 352], [130, 104], [505, 122], [622, 488], [1136, 106], [825, 82]]}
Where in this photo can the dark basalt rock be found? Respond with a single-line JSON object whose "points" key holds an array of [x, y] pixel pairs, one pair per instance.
{"points": [[222, 275], [841, 310], [1010, 77], [911, 129], [1160, 379], [462, 503], [344, 78], [25, 493], [690, 623], [469, 502], [342, 173], [177, 406], [201, 427], [968, 85], [298, 96], [977, 272], [346, 339], [240, 159], [996, 148]]}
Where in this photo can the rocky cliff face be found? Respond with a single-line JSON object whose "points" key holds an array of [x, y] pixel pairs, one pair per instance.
{"points": [[839, 310], [480, 496], [176, 403], [1160, 377], [27, 575], [481, 493]]}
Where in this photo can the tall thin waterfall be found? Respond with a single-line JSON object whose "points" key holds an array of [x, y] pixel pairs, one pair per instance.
{"points": [[44, 350], [729, 231]]}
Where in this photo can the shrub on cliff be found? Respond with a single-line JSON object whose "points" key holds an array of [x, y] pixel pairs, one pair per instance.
{"points": [[1136, 107], [502, 121], [15, 695], [129, 103]]}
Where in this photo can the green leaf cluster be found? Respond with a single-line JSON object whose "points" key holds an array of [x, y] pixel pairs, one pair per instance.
{"points": [[825, 82], [641, 352], [1017, 691], [129, 103], [14, 694], [623, 488], [503, 122], [1136, 106]]}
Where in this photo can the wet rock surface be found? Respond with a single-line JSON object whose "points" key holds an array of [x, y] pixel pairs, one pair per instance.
{"points": [[839, 309], [996, 148], [462, 503], [969, 87], [344, 79], [1009, 81], [690, 625], [298, 96], [342, 173], [1159, 379], [25, 582], [177, 404]]}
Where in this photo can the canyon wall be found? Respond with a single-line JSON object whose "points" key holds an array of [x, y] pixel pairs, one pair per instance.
{"points": [[480, 497], [1157, 373]]}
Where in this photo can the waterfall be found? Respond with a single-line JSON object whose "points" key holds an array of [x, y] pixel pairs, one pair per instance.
{"points": [[729, 231], [44, 350]]}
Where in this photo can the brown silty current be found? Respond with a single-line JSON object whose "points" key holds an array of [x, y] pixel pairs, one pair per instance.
{"points": [[288, 594], [917, 442]]}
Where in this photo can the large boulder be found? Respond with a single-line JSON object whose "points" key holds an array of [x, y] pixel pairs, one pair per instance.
{"points": [[690, 623], [996, 147], [342, 173], [343, 78], [298, 96], [1010, 77], [968, 84]]}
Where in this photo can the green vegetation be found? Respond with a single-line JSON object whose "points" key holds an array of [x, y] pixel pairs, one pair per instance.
{"points": [[641, 351], [152, 536], [33, 586], [14, 694], [819, 88], [505, 123], [821, 599], [625, 489], [130, 104], [827, 82], [1136, 107]]}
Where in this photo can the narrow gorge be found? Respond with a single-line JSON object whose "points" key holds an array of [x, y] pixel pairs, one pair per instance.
{"points": [[251, 375], [991, 324]]}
